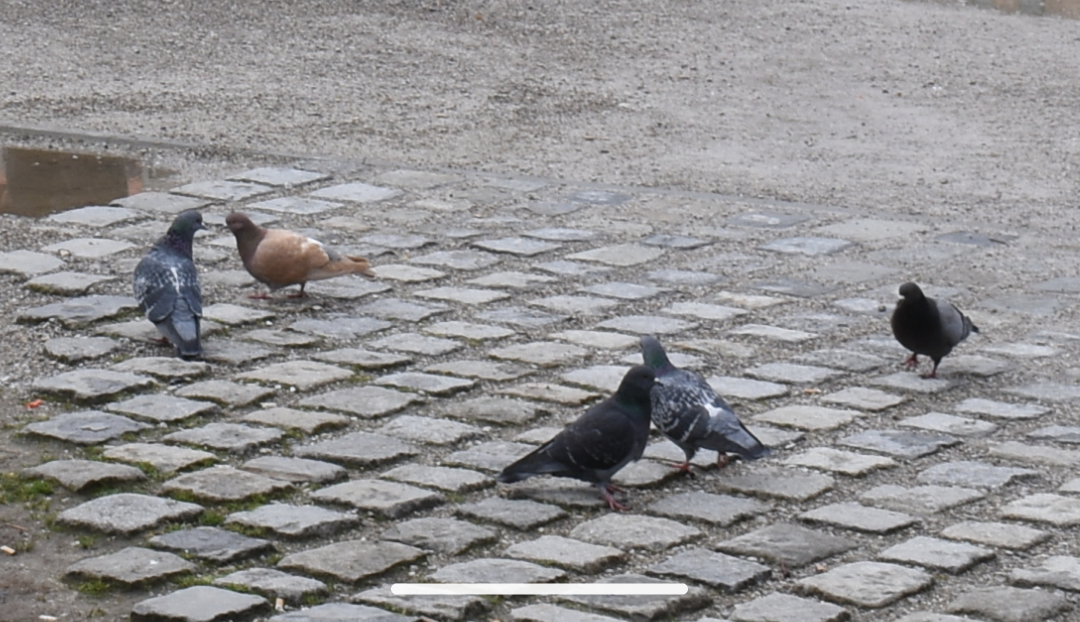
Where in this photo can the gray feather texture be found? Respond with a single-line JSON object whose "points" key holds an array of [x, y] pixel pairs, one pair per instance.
{"points": [[166, 285], [687, 410], [928, 326]]}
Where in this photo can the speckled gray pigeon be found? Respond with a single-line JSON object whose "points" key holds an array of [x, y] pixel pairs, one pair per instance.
{"points": [[598, 444], [928, 326], [687, 410], [167, 285]]}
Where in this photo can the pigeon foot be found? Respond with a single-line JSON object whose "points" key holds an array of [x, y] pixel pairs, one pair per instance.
{"points": [[605, 491], [722, 460], [912, 362], [260, 296]]}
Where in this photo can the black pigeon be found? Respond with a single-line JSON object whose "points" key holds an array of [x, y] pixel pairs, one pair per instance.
{"points": [[687, 410], [167, 285], [594, 447], [928, 326]]}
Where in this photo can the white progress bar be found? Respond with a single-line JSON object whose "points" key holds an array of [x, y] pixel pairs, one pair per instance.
{"points": [[538, 589]]}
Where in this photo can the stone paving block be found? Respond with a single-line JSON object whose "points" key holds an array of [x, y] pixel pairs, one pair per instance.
{"points": [[812, 246], [1044, 508], [576, 305], [357, 449], [644, 474], [1000, 410], [675, 241], [395, 309], [521, 316], [273, 584], [296, 470], [745, 388], [304, 375], [416, 343], [443, 607], [920, 499], [619, 255], [867, 584], [160, 202], [224, 483], [296, 205], [684, 278], [567, 493], [368, 402], [1035, 454], [718, 570], [66, 283], [1021, 350], [794, 287], [429, 430], [357, 192], [305, 421], [542, 353], [294, 521], [567, 553], [1004, 535], [543, 391], [520, 246], [235, 315], [950, 424], [388, 499], [643, 607], [363, 359], [630, 531], [790, 484], [767, 220], [483, 370], [647, 325], [443, 478], [777, 607], [624, 291], [430, 384], [1057, 433], [546, 612], [497, 410], [463, 260], [900, 443], [873, 229], [223, 190], [704, 311], [513, 280], [1046, 391], [130, 566], [973, 474], [468, 330], [604, 378], [235, 352], [521, 514], [201, 603], [1010, 604], [86, 427], [442, 535], [864, 398], [76, 475], [341, 612], [96, 216], [91, 385], [127, 513], [408, 274], [975, 365], [1060, 571], [1072, 486], [462, 295], [279, 176], [27, 263], [78, 349], [837, 461], [232, 437], [489, 456], [772, 333], [160, 457], [351, 561], [859, 518], [912, 382], [88, 248], [494, 570], [843, 359], [792, 374], [397, 241], [225, 393], [808, 417], [789, 544], [162, 408], [163, 367], [213, 544], [937, 554], [712, 509], [344, 328]]}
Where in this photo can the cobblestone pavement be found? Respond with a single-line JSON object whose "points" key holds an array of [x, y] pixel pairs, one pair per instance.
{"points": [[331, 446]]}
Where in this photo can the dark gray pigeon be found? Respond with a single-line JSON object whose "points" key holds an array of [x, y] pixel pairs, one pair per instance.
{"points": [[167, 285], [594, 447], [687, 410], [928, 326]]}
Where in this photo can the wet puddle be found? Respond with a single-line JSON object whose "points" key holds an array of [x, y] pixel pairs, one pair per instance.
{"points": [[37, 182], [1061, 8]]}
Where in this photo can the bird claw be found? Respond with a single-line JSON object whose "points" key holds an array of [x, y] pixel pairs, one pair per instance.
{"points": [[612, 503], [685, 468], [722, 460], [260, 296], [912, 362]]}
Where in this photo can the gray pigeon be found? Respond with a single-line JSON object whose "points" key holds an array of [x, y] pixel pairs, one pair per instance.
{"points": [[928, 326], [167, 285], [593, 448], [687, 410]]}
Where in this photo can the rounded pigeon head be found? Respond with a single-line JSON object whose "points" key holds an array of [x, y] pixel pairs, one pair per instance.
{"points": [[238, 222], [637, 383], [911, 291], [652, 353], [186, 224]]}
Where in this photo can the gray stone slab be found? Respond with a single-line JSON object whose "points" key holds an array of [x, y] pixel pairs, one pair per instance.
{"points": [[351, 561], [357, 449], [442, 478], [619, 255], [429, 430], [465, 260], [642, 607], [911, 382], [130, 566], [87, 427], [162, 458], [442, 535], [363, 359], [88, 248], [162, 408], [547, 392], [837, 461], [76, 475], [920, 499], [541, 353], [1046, 391], [521, 514], [745, 388], [496, 410], [900, 443], [224, 484], [430, 384], [389, 499], [96, 216], [201, 603], [494, 570], [647, 325], [717, 570], [563, 234], [304, 375], [767, 220], [792, 373], [468, 330], [273, 584], [937, 554], [513, 280], [1045, 508], [684, 278], [308, 422], [950, 424], [520, 246], [1010, 604], [27, 263], [973, 474], [1059, 571], [91, 385], [225, 393], [296, 470], [483, 370], [341, 612], [78, 349], [235, 315], [628, 531], [576, 305], [712, 509], [1004, 535], [408, 274], [1057, 433], [624, 291], [704, 311], [127, 513], [367, 401], [546, 612], [223, 190], [1024, 304], [864, 398], [867, 584], [165, 368], [567, 553], [843, 359], [417, 343], [790, 484], [808, 417], [772, 333], [442, 607], [811, 246], [1035, 454], [777, 607], [212, 544], [789, 544], [1000, 410], [489, 456], [522, 316], [235, 352], [66, 283], [462, 295], [357, 192], [231, 437], [294, 521], [279, 176], [859, 518], [340, 327]]}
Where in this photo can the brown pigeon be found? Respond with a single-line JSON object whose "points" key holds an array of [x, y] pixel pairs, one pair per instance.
{"points": [[279, 258]]}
